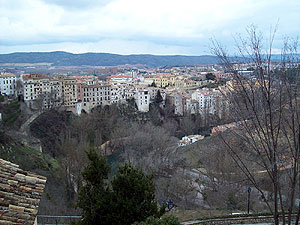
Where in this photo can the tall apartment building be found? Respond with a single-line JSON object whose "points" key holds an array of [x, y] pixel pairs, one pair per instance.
{"points": [[42, 90], [205, 100], [117, 94], [153, 92], [142, 99], [95, 95], [177, 100], [8, 84], [69, 91]]}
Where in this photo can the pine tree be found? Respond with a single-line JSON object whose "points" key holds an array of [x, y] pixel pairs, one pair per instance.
{"points": [[129, 198], [95, 194], [134, 195], [158, 98]]}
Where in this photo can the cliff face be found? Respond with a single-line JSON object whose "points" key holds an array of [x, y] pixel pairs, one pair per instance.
{"points": [[27, 158], [48, 128]]}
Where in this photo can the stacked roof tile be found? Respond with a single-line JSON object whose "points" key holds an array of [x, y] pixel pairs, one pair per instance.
{"points": [[20, 194]]}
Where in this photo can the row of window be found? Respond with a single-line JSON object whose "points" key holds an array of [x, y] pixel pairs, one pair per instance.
{"points": [[8, 81], [9, 87], [93, 93], [96, 89], [96, 99]]}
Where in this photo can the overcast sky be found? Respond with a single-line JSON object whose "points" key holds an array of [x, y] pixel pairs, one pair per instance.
{"points": [[139, 26]]}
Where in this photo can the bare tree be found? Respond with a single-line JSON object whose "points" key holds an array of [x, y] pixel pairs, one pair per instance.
{"points": [[266, 109], [39, 103], [19, 87], [73, 159]]}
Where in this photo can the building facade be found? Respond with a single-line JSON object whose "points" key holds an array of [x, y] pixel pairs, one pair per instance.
{"points": [[8, 84]]}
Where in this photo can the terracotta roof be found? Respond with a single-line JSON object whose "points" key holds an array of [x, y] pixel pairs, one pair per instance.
{"points": [[4, 75], [118, 76], [20, 194], [84, 77]]}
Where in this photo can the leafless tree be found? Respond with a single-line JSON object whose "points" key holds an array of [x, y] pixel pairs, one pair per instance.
{"points": [[266, 109], [19, 87], [39, 102], [73, 159]]}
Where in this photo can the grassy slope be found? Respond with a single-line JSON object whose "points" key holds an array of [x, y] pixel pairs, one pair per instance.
{"points": [[28, 158]]}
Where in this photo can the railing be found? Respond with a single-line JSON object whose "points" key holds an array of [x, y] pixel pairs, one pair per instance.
{"points": [[64, 220], [236, 220], [56, 220]]}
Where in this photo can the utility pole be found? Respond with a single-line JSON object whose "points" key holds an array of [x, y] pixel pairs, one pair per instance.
{"points": [[249, 191]]}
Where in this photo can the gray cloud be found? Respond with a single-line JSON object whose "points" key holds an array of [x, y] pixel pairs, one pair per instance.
{"points": [[169, 25]]}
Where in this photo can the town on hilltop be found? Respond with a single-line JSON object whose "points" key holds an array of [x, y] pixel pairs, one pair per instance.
{"points": [[189, 90]]}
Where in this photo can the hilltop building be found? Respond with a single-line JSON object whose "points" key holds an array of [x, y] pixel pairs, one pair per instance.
{"points": [[76, 93], [142, 99], [41, 91], [8, 84]]}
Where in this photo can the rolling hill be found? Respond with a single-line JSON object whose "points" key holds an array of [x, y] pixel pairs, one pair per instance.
{"points": [[104, 59]]}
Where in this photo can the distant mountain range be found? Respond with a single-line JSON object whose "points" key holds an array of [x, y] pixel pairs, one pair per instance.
{"points": [[104, 59]]}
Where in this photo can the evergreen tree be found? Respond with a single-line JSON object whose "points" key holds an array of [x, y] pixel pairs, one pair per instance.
{"points": [[129, 198], [134, 196], [210, 76], [158, 98], [95, 195]]}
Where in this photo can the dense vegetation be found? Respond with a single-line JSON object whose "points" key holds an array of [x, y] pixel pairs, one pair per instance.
{"points": [[147, 140], [10, 111]]}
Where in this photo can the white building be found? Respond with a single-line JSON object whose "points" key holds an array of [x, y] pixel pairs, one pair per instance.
{"points": [[41, 87], [119, 78], [192, 106], [205, 100], [187, 140], [8, 84], [142, 99], [120, 92]]}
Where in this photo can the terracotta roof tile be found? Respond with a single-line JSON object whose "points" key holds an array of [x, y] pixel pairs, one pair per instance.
{"points": [[20, 194]]}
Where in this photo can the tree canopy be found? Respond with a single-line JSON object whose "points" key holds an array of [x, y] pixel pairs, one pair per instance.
{"points": [[210, 76], [128, 198], [158, 97]]}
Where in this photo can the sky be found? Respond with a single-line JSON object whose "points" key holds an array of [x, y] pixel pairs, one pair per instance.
{"points": [[162, 27]]}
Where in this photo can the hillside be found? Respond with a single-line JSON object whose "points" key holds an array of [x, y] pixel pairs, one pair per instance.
{"points": [[26, 157], [104, 59]]}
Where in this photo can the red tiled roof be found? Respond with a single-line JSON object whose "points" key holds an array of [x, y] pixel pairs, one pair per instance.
{"points": [[20, 194]]}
